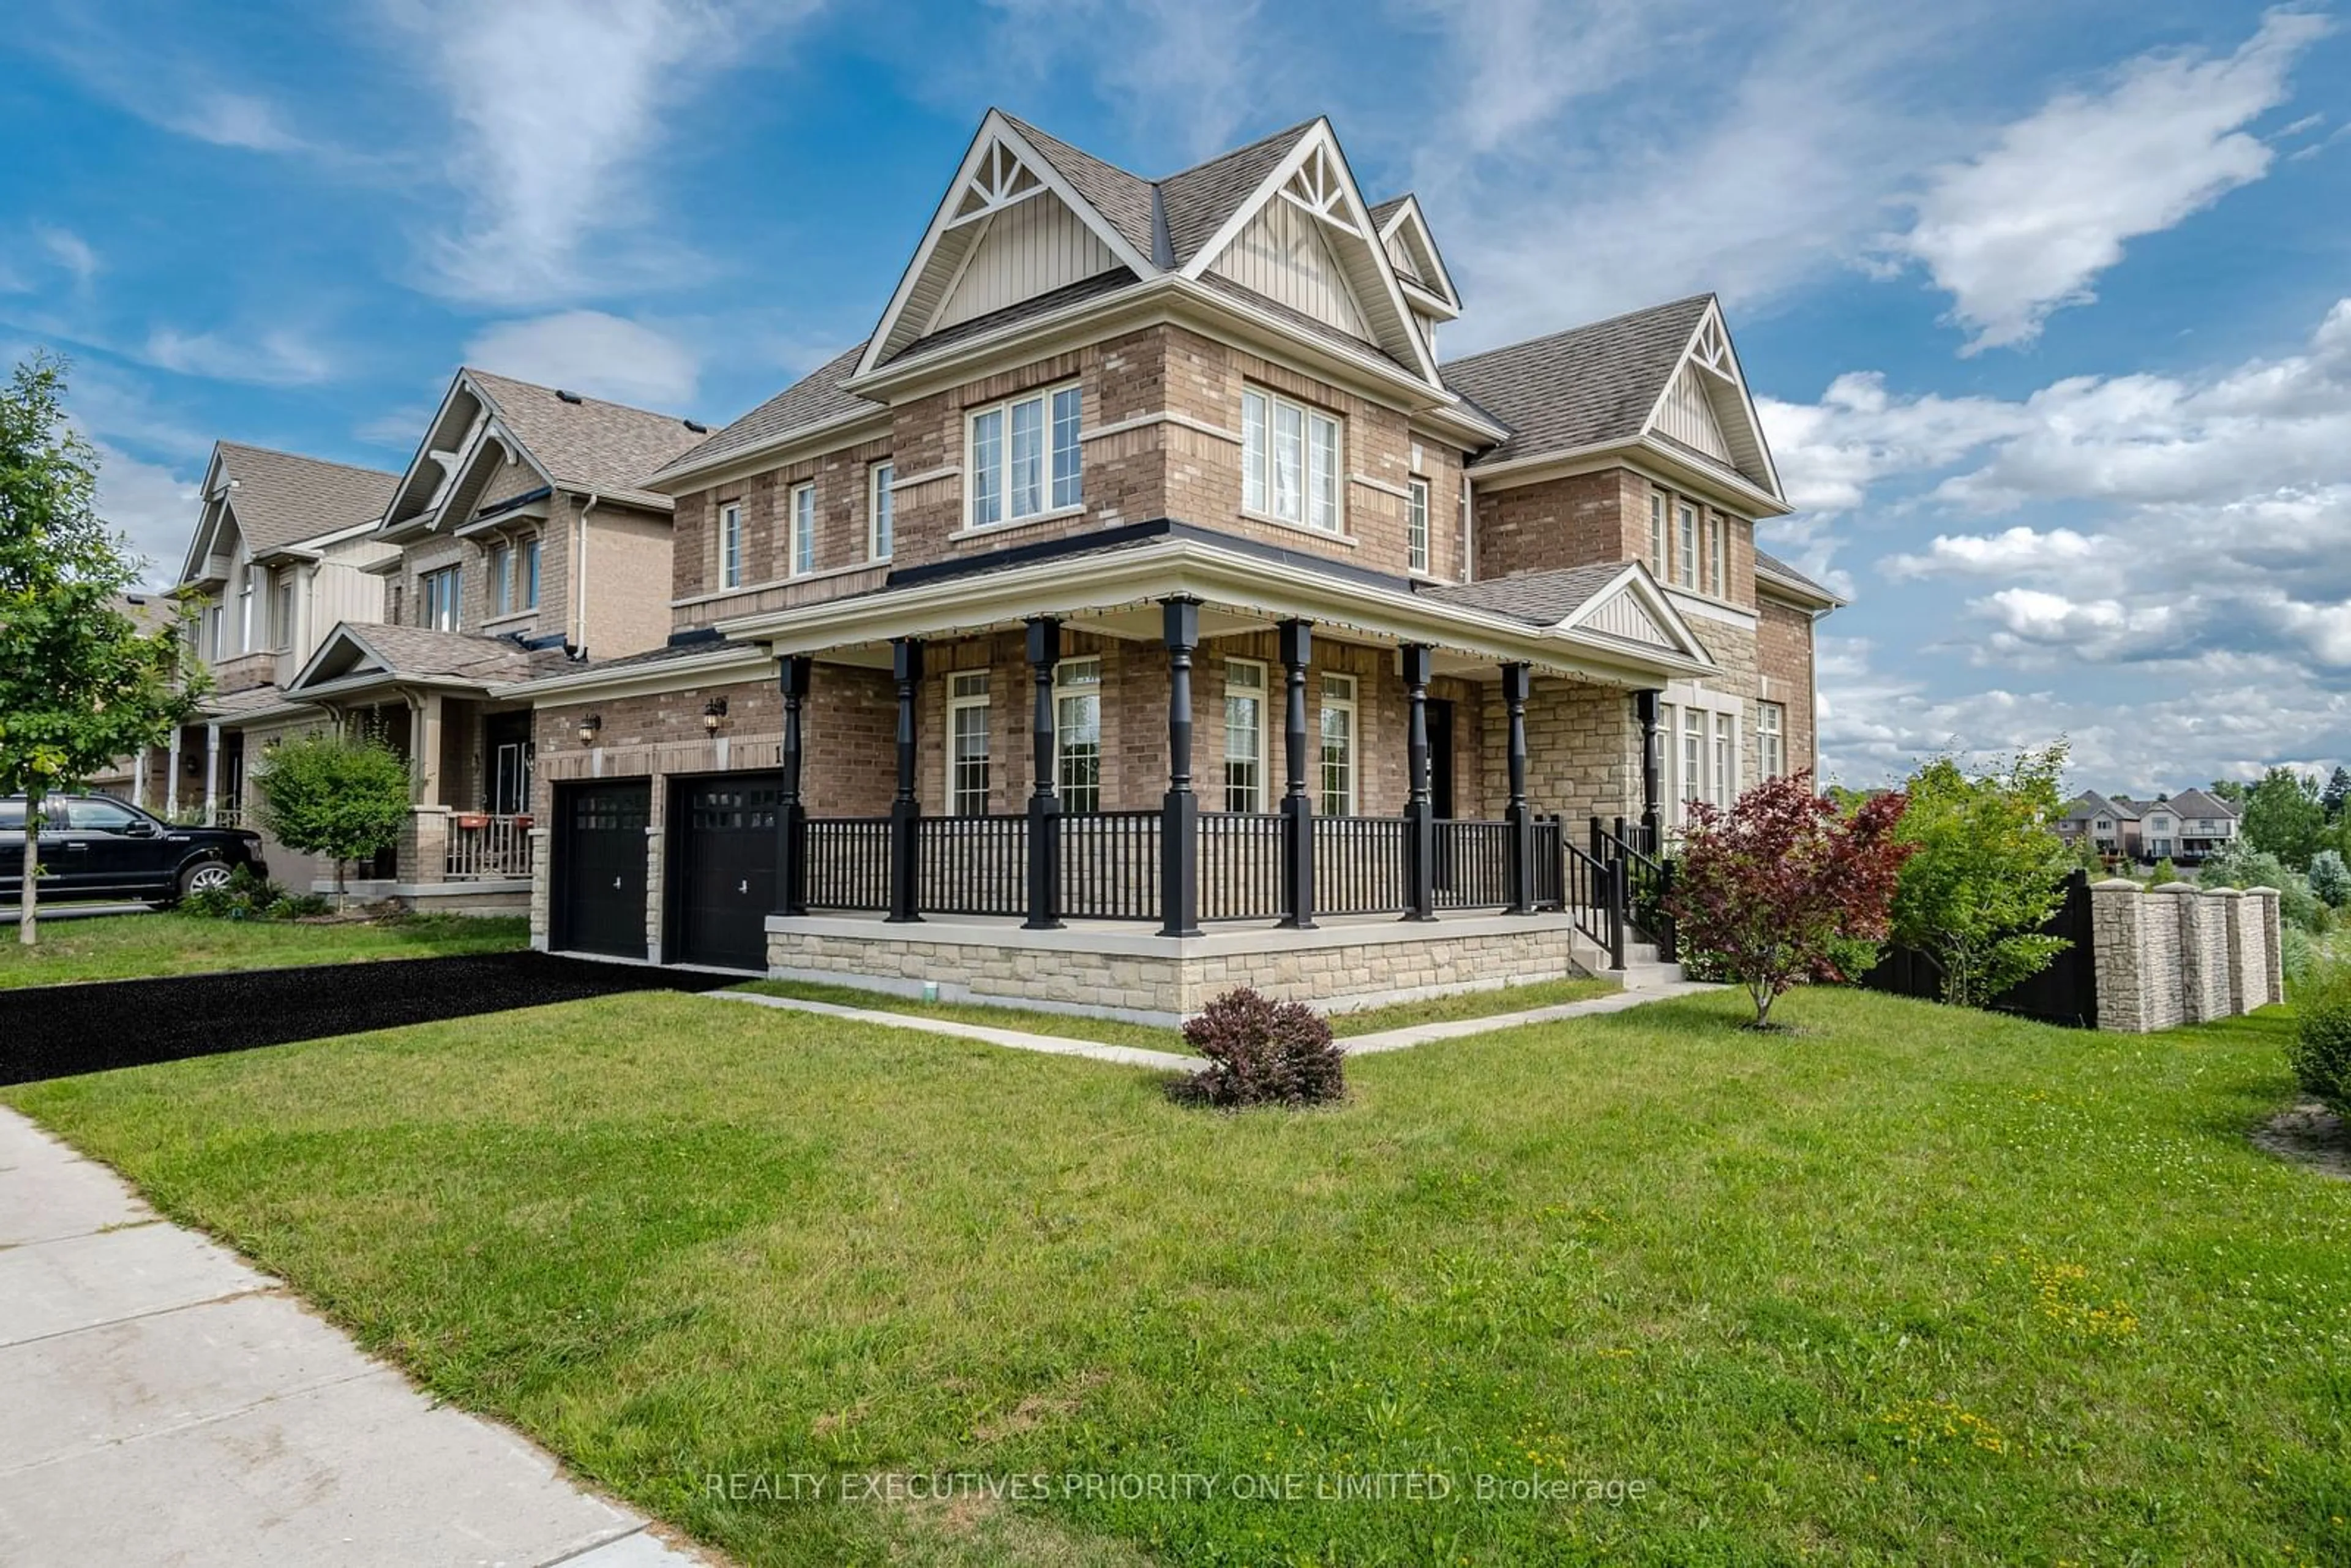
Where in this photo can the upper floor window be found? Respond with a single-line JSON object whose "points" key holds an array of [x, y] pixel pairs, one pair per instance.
{"points": [[1024, 457], [1658, 527], [530, 574], [803, 530], [501, 580], [1338, 737], [1686, 563], [731, 546], [436, 599], [1771, 738], [1077, 733], [1290, 461], [881, 512], [967, 739], [245, 616], [281, 612], [1718, 549], [1415, 526], [1245, 736]]}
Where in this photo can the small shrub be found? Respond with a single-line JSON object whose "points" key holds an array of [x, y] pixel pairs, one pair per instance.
{"points": [[2330, 878], [1260, 1052], [2299, 955], [250, 897], [2241, 867], [2321, 1051]]}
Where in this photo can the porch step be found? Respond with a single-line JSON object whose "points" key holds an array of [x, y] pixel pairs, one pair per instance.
{"points": [[1648, 975]]}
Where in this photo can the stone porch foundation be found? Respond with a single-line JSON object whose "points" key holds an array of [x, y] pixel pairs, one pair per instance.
{"points": [[1127, 972]]}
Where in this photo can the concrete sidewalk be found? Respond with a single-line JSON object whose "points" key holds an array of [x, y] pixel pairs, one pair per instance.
{"points": [[168, 1403]]}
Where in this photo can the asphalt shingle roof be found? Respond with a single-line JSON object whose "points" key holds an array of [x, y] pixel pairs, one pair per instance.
{"points": [[814, 400], [1538, 598], [1197, 201], [1772, 563], [1125, 200], [413, 652], [282, 499], [589, 444], [1587, 386]]}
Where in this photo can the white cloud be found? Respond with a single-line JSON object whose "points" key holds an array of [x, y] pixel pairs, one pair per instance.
{"points": [[151, 506], [590, 351], [275, 356], [2024, 229], [557, 107], [235, 120], [1829, 453], [69, 250], [2033, 621], [2006, 554]]}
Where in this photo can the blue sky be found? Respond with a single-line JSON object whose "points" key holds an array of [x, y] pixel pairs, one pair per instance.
{"points": [[2049, 307]]}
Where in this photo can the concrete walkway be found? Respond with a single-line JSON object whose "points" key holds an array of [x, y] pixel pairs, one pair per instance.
{"points": [[1135, 1056], [168, 1403]]}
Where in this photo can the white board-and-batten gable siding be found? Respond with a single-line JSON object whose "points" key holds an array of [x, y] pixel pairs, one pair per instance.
{"points": [[1031, 247], [1282, 254], [1687, 415], [1623, 615]]}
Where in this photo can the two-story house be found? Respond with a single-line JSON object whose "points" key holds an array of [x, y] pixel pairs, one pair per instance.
{"points": [[520, 540], [1143, 608], [2186, 828], [2207, 825]]}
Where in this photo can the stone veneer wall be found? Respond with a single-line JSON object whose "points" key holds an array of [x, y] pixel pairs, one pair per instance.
{"points": [[2182, 954], [1156, 980]]}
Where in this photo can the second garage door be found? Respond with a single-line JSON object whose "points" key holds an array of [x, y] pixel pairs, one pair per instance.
{"points": [[725, 868], [599, 868]]}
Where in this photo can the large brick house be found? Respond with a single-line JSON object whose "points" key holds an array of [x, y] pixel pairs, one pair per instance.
{"points": [[1144, 607]]}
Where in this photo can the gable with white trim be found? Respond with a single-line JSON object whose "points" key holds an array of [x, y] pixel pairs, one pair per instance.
{"points": [[1707, 408], [1283, 256], [1032, 245], [1632, 608]]}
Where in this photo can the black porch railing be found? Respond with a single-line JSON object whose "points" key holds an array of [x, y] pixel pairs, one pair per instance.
{"points": [[1473, 865], [1648, 881], [846, 862], [1240, 866], [1359, 865], [1593, 891], [973, 865], [1110, 865]]}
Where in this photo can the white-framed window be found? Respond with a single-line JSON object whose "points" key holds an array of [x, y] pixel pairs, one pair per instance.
{"points": [[1771, 738], [245, 616], [1726, 760], [1693, 770], [1290, 461], [1338, 738], [281, 612], [530, 574], [967, 753], [1076, 734], [501, 580], [730, 545], [881, 511], [803, 530], [1718, 549], [1657, 529], [1245, 735], [1025, 458], [1415, 525], [2105, 825], [211, 634], [1685, 564], [436, 599]]}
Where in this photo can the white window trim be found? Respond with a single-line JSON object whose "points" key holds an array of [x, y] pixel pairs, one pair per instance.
{"points": [[1686, 537], [805, 489], [1776, 734], [957, 703], [877, 496], [1417, 555], [1348, 704], [1004, 406], [1065, 685], [1661, 531], [1308, 415], [730, 545], [1717, 546], [533, 556], [1264, 695], [1680, 700]]}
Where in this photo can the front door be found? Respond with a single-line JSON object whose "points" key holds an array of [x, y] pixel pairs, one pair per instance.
{"points": [[506, 783], [726, 839], [1440, 758], [599, 890]]}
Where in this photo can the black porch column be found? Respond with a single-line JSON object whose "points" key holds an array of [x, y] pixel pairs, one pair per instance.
{"points": [[1645, 708], [791, 817], [1419, 811], [905, 808], [1179, 815], [1518, 813], [1297, 640], [1044, 803]]}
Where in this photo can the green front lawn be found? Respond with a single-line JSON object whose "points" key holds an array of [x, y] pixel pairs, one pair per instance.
{"points": [[1907, 1285], [136, 946]]}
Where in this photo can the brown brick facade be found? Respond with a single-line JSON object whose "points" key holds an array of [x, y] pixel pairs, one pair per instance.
{"points": [[1783, 655]]}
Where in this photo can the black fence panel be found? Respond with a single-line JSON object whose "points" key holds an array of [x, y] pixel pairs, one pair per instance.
{"points": [[2066, 992]]}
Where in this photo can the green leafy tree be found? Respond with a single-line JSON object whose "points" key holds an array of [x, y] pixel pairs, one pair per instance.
{"points": [[80, 683], [2164, 872], [2337, 793], [2284, 816], [2242, 866], [2330, 878], [329, 795], [2229, 790], [1985, 873]]}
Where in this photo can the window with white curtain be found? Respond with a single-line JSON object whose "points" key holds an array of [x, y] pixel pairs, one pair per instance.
{"points": [[1290, 461], [1338, 737], [1076, 734], [1245, 735], [803, 530], [437, 600], [968, 781], [1025, 458], [501, 580]]}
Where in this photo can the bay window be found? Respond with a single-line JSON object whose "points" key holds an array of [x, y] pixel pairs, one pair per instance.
{"points": [[1290, 461], [1024, 458]]}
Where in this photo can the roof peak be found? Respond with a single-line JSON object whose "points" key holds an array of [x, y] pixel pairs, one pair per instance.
{"points": [[1687, 300], [227, 446], [567, 395]]}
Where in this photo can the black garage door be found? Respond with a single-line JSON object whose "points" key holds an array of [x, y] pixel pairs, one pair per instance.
{"points": [[724, 837], [599, 890]]}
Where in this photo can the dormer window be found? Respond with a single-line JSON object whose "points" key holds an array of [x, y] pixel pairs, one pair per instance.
{"points": [[1024, 458], [1290, 461]]}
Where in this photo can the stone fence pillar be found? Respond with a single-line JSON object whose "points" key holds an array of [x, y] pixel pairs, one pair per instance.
{"points": [[541, 884], [2273, 952], [2118, 948]]}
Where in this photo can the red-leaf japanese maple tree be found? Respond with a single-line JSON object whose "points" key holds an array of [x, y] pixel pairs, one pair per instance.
{"points": [[1769, 887]]}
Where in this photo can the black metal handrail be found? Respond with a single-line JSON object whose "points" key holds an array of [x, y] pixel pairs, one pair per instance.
{"points": [[1594, 890], [1648, 880], [847, 863]]}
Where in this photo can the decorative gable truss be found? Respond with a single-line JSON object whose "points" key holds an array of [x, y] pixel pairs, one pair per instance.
{"points": [[1632, 608], [1707, 408], [465, 444], [1009, 228], [1412, 251], [1305, 239]]}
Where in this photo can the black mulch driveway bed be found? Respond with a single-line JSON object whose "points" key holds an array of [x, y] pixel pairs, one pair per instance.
{"points": [[56, 1031]]}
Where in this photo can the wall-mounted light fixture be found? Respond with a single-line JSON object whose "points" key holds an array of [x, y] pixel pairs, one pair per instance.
{"points": [[712, 712], [590, 727]]}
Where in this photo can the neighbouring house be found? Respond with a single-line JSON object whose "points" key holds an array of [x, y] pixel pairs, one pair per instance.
{"points": [[2110, 825], [1142, 608], [2185, 828], [2207, 825]]}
